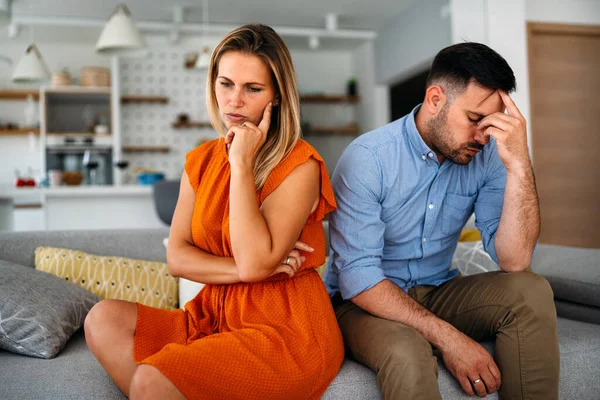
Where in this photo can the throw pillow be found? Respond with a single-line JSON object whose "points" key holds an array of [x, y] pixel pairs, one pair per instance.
{"points": [[470, 258], [469, 235], [146, 282], [38, 311]]}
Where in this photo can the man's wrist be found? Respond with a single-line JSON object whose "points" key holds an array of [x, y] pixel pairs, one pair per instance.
{"points": [[445, 336], [520, 169]]}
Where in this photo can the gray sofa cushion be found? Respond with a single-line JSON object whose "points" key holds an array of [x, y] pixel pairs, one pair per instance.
{"points": [[573, 273], [75, 374], [38, 311]]}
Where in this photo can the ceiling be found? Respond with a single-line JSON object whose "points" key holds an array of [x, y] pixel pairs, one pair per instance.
{"points": [[352, 14]]}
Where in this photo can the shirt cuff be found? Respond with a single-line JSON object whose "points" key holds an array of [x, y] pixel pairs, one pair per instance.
{"points": [[356, 280]]}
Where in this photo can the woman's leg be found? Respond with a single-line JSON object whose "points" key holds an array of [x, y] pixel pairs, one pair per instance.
{"points": [[149, 383], [109, 332]]}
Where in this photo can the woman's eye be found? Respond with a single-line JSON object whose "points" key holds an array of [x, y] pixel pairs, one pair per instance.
{"points": [[226, 84], [255, 90], [474, 120]]}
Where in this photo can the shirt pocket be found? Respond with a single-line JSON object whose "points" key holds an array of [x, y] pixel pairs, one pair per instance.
{"points": [[456, 211]]}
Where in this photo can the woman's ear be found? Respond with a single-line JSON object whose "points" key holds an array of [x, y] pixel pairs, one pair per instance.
{"points": [[276, 101]]}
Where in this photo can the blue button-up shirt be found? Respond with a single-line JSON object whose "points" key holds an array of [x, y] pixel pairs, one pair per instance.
{"points": [[400, 212]]}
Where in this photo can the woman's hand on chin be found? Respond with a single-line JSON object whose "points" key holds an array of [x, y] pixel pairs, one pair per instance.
{"points": [[249, 138]]}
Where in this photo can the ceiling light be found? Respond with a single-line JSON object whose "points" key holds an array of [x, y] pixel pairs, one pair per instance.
{"points": [[331, 21], [5, 8], [203, 60], [31, 68], [313, 42], [120, 36]]}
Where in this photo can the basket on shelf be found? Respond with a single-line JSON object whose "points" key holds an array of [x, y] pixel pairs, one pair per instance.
{"points": [[62, 78], [95, 76]]}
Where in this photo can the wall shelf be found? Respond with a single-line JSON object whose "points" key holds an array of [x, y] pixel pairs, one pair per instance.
{"points": [[20, 131], [191, 124], [146, 149], [341, 130], [334, 99], [128, 99], [19, 94], [125, 99]]}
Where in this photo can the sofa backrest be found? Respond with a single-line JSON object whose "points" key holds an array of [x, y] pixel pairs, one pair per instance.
{"points": [[144, 244]]}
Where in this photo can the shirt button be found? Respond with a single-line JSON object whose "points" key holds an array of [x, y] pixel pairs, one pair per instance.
{"points": [[431, 206], [430, 154], [423, 157], [424, 239]]}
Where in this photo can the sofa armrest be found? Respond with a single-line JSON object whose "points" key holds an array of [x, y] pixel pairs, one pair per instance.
{"points": [[573, 273]]}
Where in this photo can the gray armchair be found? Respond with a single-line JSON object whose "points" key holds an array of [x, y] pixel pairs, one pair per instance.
{"points": [[165, 195]]}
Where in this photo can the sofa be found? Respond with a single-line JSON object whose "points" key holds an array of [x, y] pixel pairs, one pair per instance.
{"points": [[74, 373]]}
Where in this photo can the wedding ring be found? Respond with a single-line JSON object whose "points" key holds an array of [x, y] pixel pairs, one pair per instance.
{"points": [[287, 261], [476, 381]]}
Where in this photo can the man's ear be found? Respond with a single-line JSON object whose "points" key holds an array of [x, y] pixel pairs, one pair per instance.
{"points": [[435, 99]]}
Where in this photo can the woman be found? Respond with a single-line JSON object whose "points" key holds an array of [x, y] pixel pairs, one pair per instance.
{"points": [[263, 326]]}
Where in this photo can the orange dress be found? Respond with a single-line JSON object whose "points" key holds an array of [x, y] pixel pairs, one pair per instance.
{"points": [[275, 339]]}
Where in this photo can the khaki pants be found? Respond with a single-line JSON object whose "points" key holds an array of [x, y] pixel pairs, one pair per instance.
{"points": [[515, 308]]}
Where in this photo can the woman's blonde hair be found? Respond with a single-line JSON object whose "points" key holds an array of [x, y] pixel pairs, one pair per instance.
{"points": [[284, 132]]}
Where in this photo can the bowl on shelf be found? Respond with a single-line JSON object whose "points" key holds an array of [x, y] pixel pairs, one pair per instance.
{"points": [[72, 178], [150, 178]]}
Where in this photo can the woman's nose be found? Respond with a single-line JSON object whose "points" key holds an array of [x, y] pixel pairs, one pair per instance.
{"points": [[236, 99]]}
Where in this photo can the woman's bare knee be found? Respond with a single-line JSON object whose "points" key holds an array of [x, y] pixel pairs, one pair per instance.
{"points": [[149, 383], [107, 319]]}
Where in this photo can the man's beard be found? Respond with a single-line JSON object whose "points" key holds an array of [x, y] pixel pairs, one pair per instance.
{"points": [[441, 139]]}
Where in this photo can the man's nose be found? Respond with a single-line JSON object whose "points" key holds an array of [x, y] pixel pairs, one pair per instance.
{"points": [[481, 137]]}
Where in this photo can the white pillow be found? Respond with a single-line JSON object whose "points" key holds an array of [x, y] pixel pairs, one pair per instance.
{"points": [[470, 258], [187, 289]]}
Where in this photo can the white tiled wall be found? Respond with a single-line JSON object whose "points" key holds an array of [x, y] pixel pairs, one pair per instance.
{"points": [[162, 73]]}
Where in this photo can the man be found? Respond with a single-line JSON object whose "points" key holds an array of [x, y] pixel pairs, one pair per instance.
{"points": [[404, 192]]}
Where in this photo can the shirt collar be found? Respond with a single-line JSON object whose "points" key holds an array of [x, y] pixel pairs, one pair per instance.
{"points": [[420, 148]]}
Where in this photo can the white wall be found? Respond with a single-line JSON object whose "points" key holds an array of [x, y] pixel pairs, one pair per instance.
{"points": [[563, 11], [408, 44]]}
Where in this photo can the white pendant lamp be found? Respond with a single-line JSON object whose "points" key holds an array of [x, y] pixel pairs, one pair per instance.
{"points": [[203, 60], [31, 68], [120, 36]]}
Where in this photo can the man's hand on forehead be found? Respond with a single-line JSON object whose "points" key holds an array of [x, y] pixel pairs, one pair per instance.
{"points": [[510, 133]]}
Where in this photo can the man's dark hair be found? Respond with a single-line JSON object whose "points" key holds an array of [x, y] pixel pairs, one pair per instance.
{"points": [[456, 66]]}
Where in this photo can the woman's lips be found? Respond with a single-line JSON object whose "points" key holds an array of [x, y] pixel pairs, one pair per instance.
{"points": [[235, 117]]}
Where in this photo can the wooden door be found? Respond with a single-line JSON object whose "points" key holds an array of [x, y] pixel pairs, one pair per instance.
{"points": [[564, 69]]}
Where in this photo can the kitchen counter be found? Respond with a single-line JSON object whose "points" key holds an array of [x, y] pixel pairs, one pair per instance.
{"points": [[7, 191], [78, 207]]}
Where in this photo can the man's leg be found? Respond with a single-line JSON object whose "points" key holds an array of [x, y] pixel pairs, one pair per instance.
{"points": [[401, 357], [518, 309]]}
